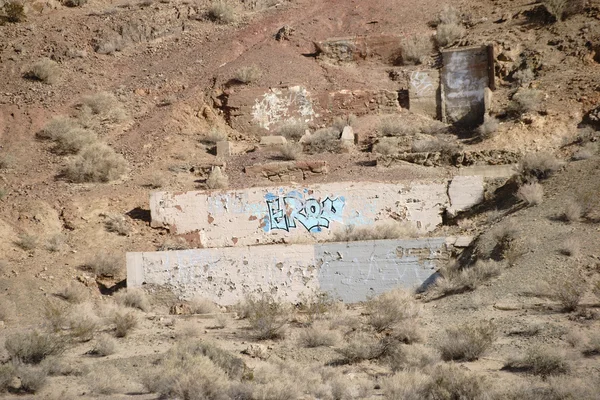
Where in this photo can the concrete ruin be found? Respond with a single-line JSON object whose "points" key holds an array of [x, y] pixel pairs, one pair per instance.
{"points": [[271, 214], [351, 271]]}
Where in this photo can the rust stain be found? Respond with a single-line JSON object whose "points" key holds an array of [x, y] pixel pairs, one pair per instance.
{"points": [[210, 219], [192, 238], [310, 191], [178, 207], [253, 218], [234, 240]]}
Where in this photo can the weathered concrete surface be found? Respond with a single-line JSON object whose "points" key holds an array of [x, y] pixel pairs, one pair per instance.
{"points": [[268, 215], [465, 75], [351, 271], [356, 48], [464, 191], [489, 171], [288, 170], [224, 148], [424, 92], [461, 159]]}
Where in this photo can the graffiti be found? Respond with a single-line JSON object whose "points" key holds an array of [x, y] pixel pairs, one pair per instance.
{"points": [[285, 211], [277, 105], [422, 84]]}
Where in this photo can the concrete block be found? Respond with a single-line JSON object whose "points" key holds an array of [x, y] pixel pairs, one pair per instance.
{"points": [[348, 135], [464, 192], [424, 92], [272, 141], [224, 148], [463, 241], [488, 96]]}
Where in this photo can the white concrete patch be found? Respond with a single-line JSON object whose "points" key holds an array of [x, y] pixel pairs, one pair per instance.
{"points": [[464, 192]]}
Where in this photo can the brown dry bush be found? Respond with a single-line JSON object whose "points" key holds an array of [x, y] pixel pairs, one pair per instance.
{"points": [[488, 128], [317, 305], [292, 130], [104, 346], [96, 163], [83, 324], [573, 211], [104, 105], [72, 141], [467, 342], [326, 140], [7, 374], [266, 315], [412, 357], [570, 247], [318, 335], [540, 165], [27, 242], [134, 298], [555, 388], [221, 12], [556, 7], [117, 224], [214, 136], [395, 230], [448, 34], [390, 309], [44, 70], [291, 151], [74, 293], [531, 193], [415, 49], [339, 123], [454, 280], [200, 305], [33, 378], [527, 100], [105, 380], [57, 127], [568, 288], [14, 12], [247, 75], [217, 179], [55, 243], [496, 242], [106, 264], [32, 347], [542, 361], [387, 146], [56, 316], [361, 346], [396, 126], [124, 321]]}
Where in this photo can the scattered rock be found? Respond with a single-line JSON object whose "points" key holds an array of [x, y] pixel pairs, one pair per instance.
{"points": [[256, 351]]}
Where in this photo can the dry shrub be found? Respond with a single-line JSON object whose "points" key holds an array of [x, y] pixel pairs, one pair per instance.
{"points": [[448, 34], [488, 129], [592, 346], [110, 45], [7, 374], [527, 100], [448, 15], [96, 163], [214, 136], [221, 12], [318, 335], [292, 130], [524, 76], [415, 49], [446, 148], [56, 316], [339, 123], [266, 315], [124, 321], [14, 12], [531, 193], [232, 365], [74, 3], [106, 264], [104, 105], [83, 324], [27, 242], [134, 298], [55, 243], [573, 211], [317, 305], [570, 247], [6, 161], [538, 360], [72, 141], [495, 243], [412, 357], [104, 346], [539, 165], [33, 378], [387, 146], [74, 293], [467, 342], [392, 230], [322, 141], [217, 179], [186, 372], [248, 75], [396, 126], [555, 388], [444, 381], [44, 70], [57, 127], [556, 7], [200, 305], [117, 224], [390, 309], [361, 346], [105, 380], [290, 151], [586, 152], [454, 280], [32, 347], [567, 287]]}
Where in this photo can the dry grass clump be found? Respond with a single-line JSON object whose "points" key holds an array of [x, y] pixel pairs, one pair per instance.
{"points": [[322, 141], [317, 306], [339, 123], [387, 146], [266, 315], [443, 381], [394, 230], [527, 100], [32, 347], [568, 288], [214, 136], [448, 34], [106, 264], [390, 309], [531, 193], [13, 12], [539, 165], [556, 7], [124, 321], [32, 378], [318, 335], [412, 357], [524, 76], [415, 49], [44, 70], [55, 243], [361, 346], [221, 12], [57, 126], [117, 224], [467, 342], [291, 151], [105, 105], [446, 148], [454, 280], [105, 380], [570, 247], [542, 361], [586, 152], [554, 388], [495, 243], [83, 324], [27, 242], [73, 141], [96, 163], [292, 130], [217, 179], [56, 316], [7, 374], [396, 126], [74, 293], [134, 298], [104, 346], [188, 372], [573, 211], [488, 129], [248, 74], [200, 305]]}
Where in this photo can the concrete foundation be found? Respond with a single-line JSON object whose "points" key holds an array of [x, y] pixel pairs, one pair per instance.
{"points": [[351, 271]]}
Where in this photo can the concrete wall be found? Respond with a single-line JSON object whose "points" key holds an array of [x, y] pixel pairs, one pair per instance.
{"points": [[268, 215], [351, 271], [424, 92]]}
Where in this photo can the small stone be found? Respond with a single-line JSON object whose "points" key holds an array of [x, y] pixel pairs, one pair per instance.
{"points": [[223, 148]]}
